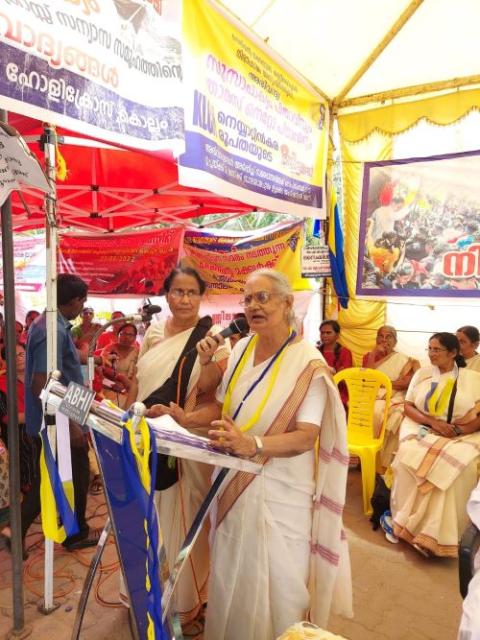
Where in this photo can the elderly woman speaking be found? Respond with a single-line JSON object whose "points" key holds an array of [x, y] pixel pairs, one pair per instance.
{"points": [[279, 553]]}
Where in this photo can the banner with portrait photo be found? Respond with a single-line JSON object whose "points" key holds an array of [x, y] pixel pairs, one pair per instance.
{"points": [[110, 69], [254, 130], [420, 227]]}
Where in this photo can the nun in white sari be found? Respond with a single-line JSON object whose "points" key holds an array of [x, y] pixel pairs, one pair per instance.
{"points": [[178, 505], [279, 552], [400, 369]]}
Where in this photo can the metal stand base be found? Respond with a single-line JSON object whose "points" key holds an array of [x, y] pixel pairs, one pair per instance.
{"points": [[47, 611], [87, 586]]}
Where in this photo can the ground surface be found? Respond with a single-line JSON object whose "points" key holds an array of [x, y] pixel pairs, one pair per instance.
{"points": [[398, 594]]}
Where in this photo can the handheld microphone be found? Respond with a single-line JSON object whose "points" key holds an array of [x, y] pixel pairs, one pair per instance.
{"points": [[149, 310], [240, 325]]}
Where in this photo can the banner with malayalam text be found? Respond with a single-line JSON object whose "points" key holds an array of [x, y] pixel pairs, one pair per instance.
{"points": [[254, 131], [135, 263], [224, 261], [420, 227], [111, 69]]}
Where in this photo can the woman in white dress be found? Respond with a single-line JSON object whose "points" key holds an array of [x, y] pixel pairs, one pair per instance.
{"points": [[399, 368], [177, 505], [436, 466], [279, 554], [469, 339]]}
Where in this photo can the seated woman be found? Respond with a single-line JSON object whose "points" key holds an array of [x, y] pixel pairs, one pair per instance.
{"points": [[469, 339], [400, 369], [336, 356], [119, 361], [435, 468]]}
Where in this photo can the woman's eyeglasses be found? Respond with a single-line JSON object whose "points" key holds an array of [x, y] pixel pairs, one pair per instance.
{"points": [[435, 350], [260, 297], [181, 293]]}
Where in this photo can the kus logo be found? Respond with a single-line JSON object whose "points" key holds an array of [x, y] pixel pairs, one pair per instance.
{"points": [[463, 264]]}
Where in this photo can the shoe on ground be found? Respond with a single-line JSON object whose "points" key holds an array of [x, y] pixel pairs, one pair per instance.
{"points": [[386, 522], [91, 540]]}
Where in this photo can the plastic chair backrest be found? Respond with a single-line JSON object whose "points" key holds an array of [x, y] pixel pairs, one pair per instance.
{"points": [[363, 386]]}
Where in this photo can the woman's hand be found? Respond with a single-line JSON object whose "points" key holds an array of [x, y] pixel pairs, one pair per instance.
{"points": [[227, 437], [173, 410], [443, 428], [207, 347]]}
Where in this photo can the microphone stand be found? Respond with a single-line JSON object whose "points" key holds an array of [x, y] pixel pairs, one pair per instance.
{"points": [[136, 317]]}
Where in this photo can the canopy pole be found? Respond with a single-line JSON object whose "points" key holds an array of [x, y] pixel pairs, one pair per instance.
{"points": [[413, 90], [383, 44], [49, 141], [12, 411]]}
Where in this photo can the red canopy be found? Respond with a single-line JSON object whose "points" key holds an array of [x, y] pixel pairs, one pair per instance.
{"points": [[109, 189]]}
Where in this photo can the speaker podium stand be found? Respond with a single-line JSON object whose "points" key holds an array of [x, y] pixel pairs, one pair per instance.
{"points": [[126, 519]]}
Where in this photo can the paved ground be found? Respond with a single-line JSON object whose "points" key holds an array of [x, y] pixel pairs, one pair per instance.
{"points": [[398, 594]]}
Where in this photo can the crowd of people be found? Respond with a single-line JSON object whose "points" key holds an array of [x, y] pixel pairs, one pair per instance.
{"points": [[269, 396], [405, 244]]}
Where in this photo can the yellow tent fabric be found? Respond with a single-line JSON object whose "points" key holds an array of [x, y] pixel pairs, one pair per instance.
{"points": [[361, 320], [397, 118]]}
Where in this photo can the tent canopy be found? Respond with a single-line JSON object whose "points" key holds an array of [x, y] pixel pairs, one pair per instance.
{"points": [[109, 189], [356, 51]]}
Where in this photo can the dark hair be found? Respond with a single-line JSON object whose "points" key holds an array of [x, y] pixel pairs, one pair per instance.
{"points": [[128, 324], [69, 287], [333, 323], [451, 343], [472, 333], [30, 314], [187, 271]]}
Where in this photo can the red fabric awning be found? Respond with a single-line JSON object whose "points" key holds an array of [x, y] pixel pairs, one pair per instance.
{"points": [[109, 189]]}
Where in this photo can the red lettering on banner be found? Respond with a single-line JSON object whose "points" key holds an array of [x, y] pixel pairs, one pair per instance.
{"points": [[462, 263]]}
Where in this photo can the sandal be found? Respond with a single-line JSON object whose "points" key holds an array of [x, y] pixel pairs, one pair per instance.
{"points": [[194, 628], [96, 486]]}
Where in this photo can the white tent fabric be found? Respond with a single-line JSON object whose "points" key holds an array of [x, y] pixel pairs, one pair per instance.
{"points": [[328, 40]]}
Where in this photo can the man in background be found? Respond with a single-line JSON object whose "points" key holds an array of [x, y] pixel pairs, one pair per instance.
{"points": [[71, 296]]}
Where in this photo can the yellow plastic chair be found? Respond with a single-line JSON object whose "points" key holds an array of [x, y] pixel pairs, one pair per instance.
{"points": [[363, 386]]}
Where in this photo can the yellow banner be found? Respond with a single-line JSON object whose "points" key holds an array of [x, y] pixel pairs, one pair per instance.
{"points": [[224, 262], [254, 130]]}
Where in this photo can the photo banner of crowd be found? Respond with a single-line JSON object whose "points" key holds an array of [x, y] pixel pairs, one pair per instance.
{"points": [[420, 227]]}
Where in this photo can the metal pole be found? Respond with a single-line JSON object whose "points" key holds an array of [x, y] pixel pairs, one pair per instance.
{"points": [[51, 318], [12, 410]]}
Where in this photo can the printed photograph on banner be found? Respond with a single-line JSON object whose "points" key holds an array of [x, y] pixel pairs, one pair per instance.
{"points": [[254, 130], [111, 69], [225, 261], [135, 263], [420, 227]]}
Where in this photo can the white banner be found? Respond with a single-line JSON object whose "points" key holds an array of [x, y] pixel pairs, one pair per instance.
{"points": [[106, 68]]}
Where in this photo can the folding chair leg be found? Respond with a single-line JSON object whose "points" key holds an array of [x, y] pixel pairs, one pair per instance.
{"points": [[368, 461]]}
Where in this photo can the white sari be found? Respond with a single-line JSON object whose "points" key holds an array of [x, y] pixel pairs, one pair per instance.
{"points": [[279, 552], [394, 366], [178, 505], [433, 475]]}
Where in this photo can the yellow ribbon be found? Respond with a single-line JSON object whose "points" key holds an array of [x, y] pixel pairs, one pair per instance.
{"points": [[233, 381], [438, 401], [141, 453]]}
